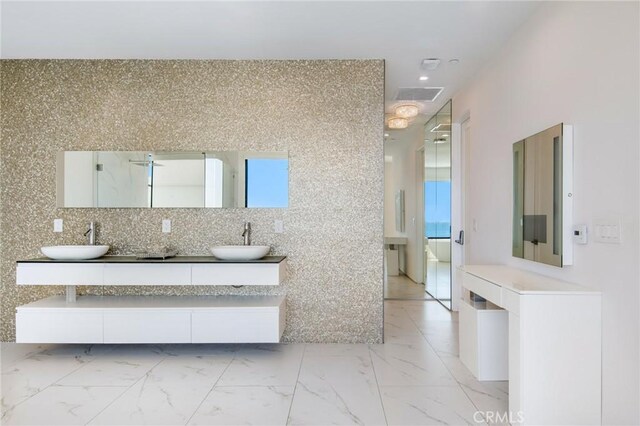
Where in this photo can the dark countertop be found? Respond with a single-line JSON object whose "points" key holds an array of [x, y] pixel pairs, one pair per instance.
{"points": [[177, 259]]}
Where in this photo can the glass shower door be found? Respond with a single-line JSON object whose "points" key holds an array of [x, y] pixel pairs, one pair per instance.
{"points": [[122, 179], [437, 206]]}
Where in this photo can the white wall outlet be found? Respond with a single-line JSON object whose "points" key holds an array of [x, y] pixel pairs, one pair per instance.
{"points": [[475, 225], [608, 230], [278, 227], [166, 226], [58, 225], [580, 234]]}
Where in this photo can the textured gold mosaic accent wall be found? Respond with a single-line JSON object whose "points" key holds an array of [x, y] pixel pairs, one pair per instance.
{"points": [[327, 114]]}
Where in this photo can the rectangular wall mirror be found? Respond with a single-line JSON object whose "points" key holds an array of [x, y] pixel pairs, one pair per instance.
{"points": [[142, 179], [400, 212], [542, 198]]}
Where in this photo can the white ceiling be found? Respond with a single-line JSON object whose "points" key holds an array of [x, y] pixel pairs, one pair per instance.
{"points": [[402, 33]]}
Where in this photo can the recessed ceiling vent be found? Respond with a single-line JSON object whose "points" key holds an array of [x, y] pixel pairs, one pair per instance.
{"points": [[430, 64], [418, 94]]}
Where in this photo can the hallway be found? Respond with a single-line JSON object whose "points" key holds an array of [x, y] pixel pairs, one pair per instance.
{"points": [[401, 287]]}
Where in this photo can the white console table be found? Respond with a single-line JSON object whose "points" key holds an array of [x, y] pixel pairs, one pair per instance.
{"points": [[554, 343], [151, 319]]}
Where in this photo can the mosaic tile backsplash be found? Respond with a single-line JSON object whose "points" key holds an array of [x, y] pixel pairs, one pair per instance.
{"points": [[327, 114]]}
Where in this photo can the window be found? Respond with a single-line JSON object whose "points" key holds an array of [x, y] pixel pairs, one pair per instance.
{"points": [[267, 182], [437, 209]]}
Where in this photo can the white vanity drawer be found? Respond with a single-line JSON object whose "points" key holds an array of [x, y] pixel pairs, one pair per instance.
{"points": [[483, 288], [58, 327], [149, 274], [511, 301], [238, 273], [237, 326], [59, 273], [141, 326]]}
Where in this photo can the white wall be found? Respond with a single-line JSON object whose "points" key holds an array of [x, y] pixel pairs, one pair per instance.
{"points": [[179, 182], [399, 173], [576, 63]]}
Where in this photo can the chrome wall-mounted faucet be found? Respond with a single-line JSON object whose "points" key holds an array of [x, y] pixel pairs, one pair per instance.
{"points": [[91, 234], [247, 233]]}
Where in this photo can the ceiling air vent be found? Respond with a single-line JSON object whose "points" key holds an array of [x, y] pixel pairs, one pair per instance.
{"points": [[419, 94], [430, 64]]}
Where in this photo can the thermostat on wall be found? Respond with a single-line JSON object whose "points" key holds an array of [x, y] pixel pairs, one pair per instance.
{"points": [[580, 234]]}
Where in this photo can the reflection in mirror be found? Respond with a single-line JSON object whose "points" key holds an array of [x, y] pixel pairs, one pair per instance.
{"points": [[538, 197], [400, 211], [172, 179], [266, 181], [518, 201], [437, 205]]}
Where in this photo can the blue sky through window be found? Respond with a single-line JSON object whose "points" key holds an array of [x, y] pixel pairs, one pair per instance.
{"points": [[267, 182], [437, 209]]}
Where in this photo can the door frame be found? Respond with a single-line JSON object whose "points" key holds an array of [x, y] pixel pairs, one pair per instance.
{"points": [[459, 176], [419, 214], [465, 168]]}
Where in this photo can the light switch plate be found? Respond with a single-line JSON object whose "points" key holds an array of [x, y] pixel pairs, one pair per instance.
{"points": [[278, 226], [608, 230], [166, 226], [58, 225]]}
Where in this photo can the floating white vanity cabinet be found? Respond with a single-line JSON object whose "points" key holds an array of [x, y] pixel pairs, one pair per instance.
{"points": [[554, 341], [127, 270], [152, 319]]}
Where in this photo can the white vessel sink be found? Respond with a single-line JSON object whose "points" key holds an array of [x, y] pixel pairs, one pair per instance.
{"points": [[74, 252], [240, 252]]}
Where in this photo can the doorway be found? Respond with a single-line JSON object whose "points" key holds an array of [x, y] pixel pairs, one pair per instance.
{"points": [[418, 247]]}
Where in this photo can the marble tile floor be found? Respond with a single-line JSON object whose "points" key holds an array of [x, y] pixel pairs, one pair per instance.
{"points": [[401, 287], [415, 378], [439, 279]]}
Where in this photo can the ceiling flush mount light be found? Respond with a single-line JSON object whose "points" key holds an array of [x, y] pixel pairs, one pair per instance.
{"points": [[398, 123], [423, 78], [407, 111], [454, 61]]}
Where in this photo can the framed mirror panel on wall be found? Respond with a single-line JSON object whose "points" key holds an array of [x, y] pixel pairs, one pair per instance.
{"points": [[542, 197]]}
